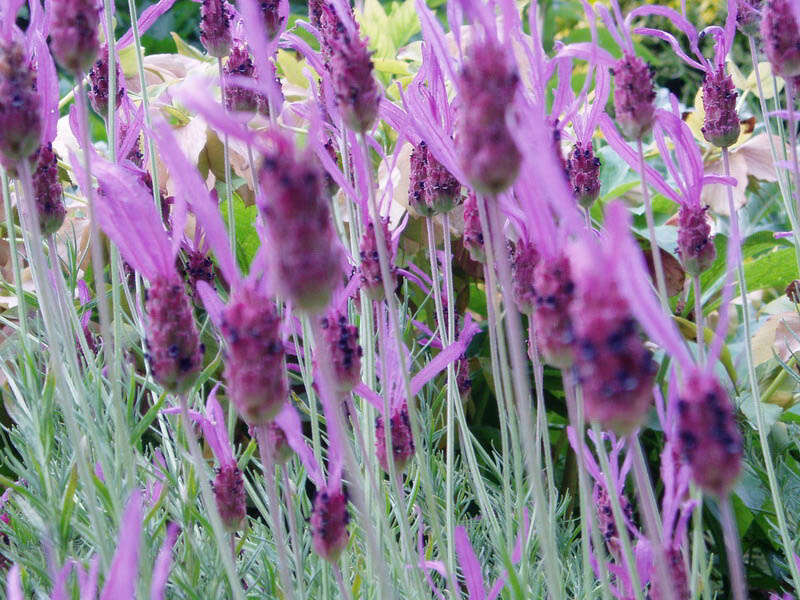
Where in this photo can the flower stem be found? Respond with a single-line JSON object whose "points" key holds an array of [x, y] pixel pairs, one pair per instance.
{"points": [[766, 452], [651, 230], [226, 159], [698, 320], [296, 541], [732, 549]]}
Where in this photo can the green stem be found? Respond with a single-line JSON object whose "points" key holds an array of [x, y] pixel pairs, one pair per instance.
{"points": [[651, 230], [294, 536], [226, 158], [733, 550]]}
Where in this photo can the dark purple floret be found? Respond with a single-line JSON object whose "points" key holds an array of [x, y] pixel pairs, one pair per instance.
{"points": [[523, 264], [780, 34], [463, 378], [198, 266], [98, 84], [20, 121], [708, 436], [173, 344], [297, 216], [329, 519], [47, 190], [432, 188], [73, 34], [279, 445], [554, 291], [370, 270], [239, 98], [486, 88], [678, 578], [473, 234], [215, 27], [748, 16], [614, 367], [342, 339], [330, 184], [695, 242], [254, 364], [230, 496], [583, 169], [721, 122], [418, 172], [633, 96], [402, 439], [605, 518]]}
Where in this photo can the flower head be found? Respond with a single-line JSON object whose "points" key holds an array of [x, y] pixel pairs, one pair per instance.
{"points": [[215, 27], [273, 19], [98, 84], [695, 242], [402, 438], [748, 16], [525, 259], [342, 340], [721, 122], [329, 520], [554, 290], [73, 34], [486, 87], [634, 96], [583, 170], [230, 496], [238, 98], [432, 189], [370, 270], [47, 190], [473, 234], [780, 33], [708, 435], [20, 119], [298, 221]]}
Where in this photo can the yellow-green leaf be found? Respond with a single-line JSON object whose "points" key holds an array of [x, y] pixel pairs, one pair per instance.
{"points": [[375, 24], [390, 66], [185, 49], [292, 68], [689, 331]]}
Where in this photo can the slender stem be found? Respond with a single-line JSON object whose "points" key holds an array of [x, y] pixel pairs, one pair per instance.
{"points": [[227, 164], [698, 543], [22, 311], [211, 504], [766, 452], [698, 319], [337, 573], [651, 230], [652, 521], [544, 526], [294, 536], [413, 413], [732, 549], [619, 518], [268, 464], [542, 426]]}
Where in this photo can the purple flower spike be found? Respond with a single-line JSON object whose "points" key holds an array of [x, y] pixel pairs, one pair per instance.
{"points": [[432, 188], [486, 87], [633, 96], [123, 574], [605, 518], [370, 269], [273, 19], [47, 190], [473, 234], [329, 519], [279, 443], [254, 368], [230, 496], [342, 339], [526, 257], [215, 27], [721, 123], [238, 98], [297, 217], [402, 438], [418, 172], [20, 118], [781, 37], [695, 242], [98, 84], [748, 16], [707, 433], [554, 289], [583, 169], [173, 345], [73, 34]]}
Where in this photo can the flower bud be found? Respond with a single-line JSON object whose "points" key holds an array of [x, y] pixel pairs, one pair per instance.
{"points": [[370, 270], [473, 233], [238, 98], [329, 519], [633, 96], [780, 34], [583, 169], [721, 122], [98, 84], [297, 217], [279, 445], [73, 34], [554, 291], [605, 518], [402, 439], [47, 190], [486, 88], [432, 188], [695, 243], [215, 27], [748, 16], [523, 263], [254, 365], [173, 344], [342, 340], [230, 496], [273, 21], [20, 120], [708, 435]]}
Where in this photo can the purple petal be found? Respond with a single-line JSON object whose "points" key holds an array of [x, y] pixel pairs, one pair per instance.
{"points": [[470, 567], [122, 576], [289, 421], [445, 357], [163, 563], [14, 585]]}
